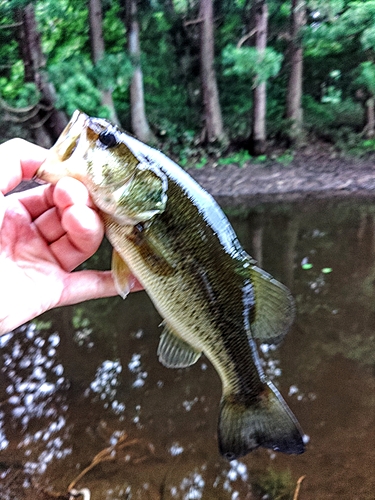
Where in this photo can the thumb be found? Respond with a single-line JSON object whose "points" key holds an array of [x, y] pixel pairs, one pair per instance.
{"points": [[85, 285], [80, 286]]}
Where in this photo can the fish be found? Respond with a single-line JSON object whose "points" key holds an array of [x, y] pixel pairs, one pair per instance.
{"points": [[171, 234]]}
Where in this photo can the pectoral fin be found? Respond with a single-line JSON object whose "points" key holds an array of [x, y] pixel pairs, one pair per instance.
{"points": [[123, 277], [174, 352], [274, 309]]}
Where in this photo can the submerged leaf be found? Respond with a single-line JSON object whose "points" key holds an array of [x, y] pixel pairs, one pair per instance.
{"points": [[307, 265], [327, 270]]}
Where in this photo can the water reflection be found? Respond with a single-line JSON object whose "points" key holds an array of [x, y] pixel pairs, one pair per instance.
{"points": [[84, 400]]}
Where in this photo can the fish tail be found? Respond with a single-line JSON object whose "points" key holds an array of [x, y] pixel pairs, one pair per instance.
{"points": [[266, 422]]}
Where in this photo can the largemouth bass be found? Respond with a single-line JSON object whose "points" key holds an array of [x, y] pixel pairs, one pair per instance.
{"points": [[170, 233]]}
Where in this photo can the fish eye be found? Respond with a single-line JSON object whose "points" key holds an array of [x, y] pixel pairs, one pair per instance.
{"points": [[108, 139]]}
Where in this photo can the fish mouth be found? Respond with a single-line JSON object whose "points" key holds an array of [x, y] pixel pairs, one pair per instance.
{"points": [[68, 140], [57, 163]]}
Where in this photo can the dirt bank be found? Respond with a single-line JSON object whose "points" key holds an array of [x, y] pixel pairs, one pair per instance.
{"points": [[307, 176]]}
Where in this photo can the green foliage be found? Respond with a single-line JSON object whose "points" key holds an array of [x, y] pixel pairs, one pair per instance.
{"points": [[368, 38], [249, 61], [201, 163], [78, 92], [261, 159], [190, 152], [239, 158], [113, 70], [367, 76], [183, 145], [113, 27], [15, 91], [355, 144], [243, 69], [339, 58], [335, 121], [286, 158], [75, 87], [64, 29], [331, 92], [317, 116], [78, 82], [172, 89], [328, 10], [236, 104], [367, 145]]}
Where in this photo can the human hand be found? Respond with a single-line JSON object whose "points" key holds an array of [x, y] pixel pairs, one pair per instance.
{"points": [[45, 233]]}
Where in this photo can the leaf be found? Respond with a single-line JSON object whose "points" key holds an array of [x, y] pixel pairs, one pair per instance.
{"points": [[250, 61], [307, 265]]}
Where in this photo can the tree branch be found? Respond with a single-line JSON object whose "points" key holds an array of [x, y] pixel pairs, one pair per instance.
{"points": [[242, 40], [13, 25], [194, 21], [11, 109]]}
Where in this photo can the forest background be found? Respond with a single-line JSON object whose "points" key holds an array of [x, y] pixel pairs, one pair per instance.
{"points": [[223, 80]]}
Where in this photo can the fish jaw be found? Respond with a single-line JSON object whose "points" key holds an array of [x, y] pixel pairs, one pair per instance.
{"points": [[65, 158]]}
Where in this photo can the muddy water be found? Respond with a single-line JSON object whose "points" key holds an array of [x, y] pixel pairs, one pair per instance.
{"points": [[84, 402]]}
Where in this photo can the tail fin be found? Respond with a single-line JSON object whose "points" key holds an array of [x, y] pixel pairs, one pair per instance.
{"points": [[266, 422]]}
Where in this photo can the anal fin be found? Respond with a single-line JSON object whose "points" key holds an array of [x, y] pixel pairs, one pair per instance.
{"points": [[174, 352]]}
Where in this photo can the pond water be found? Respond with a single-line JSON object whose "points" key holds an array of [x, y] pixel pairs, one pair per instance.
{"points": [[83, 394]]}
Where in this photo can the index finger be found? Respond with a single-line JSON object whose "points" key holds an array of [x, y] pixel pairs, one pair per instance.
{"points": [[19, 160]]}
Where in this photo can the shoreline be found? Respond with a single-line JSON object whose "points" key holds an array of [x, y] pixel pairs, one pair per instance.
{"points": [[305, 178]]}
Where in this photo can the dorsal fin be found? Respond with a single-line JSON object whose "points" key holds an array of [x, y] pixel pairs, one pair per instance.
{"points": [[274, 309]]}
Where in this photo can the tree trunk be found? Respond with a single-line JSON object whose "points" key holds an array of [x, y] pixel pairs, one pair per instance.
{"points": [[294, 92], [98, 51], [259, 134], [212, 112], [139, 122], [370, 117], [47, 122]]}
